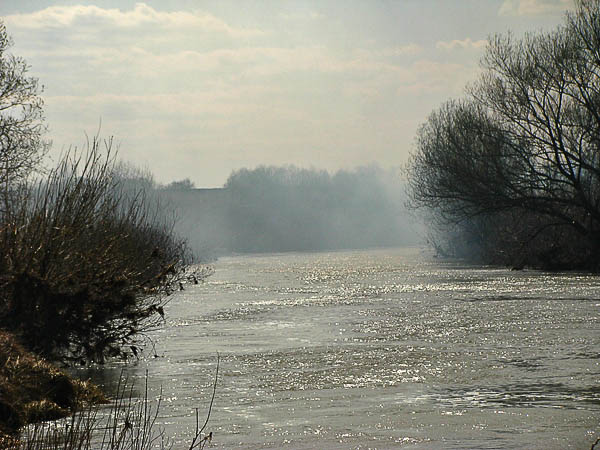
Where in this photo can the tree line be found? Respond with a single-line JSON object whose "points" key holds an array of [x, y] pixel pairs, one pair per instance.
{"points": [[511, 173], [278, 209]]}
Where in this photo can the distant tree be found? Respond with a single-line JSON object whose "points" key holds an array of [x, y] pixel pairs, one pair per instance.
{"points": [[182, 185], [133, 178], [522, 152], [289, 208], [21, 116]]}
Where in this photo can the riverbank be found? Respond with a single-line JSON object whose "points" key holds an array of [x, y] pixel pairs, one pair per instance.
{"points": [[33, 390]]}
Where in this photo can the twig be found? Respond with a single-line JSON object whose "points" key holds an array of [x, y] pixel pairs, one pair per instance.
{"points": [[202, 443]]}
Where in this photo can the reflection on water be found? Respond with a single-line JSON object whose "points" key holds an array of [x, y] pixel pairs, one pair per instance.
{"points": [[380, 349]]}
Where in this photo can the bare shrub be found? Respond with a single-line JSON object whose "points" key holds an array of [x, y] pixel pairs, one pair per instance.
{"points": [[85, 265], [129, 423]]}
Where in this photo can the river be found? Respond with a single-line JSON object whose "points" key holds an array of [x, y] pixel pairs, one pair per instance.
{"points": [[378, 349]]}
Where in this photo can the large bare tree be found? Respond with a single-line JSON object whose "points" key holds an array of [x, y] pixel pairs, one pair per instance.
{"points": [[524, 143]]}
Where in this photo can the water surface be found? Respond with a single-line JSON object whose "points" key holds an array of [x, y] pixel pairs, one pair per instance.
{"points": [[380, 349]]}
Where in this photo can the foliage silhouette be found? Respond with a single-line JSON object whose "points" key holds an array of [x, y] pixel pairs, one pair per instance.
{"points": [[516, 165], [86, 266]]}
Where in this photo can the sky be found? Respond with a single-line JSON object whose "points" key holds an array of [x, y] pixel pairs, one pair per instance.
{"points": [[198, 88]]}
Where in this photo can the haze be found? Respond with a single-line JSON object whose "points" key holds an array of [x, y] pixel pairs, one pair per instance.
{"points": [[197, 89]]}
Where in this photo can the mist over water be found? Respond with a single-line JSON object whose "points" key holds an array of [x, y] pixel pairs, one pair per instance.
{"points": [[385, 348], [277, 209]]}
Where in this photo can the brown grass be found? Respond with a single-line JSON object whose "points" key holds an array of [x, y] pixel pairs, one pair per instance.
{"points": [[128, 423], [33, 390]]}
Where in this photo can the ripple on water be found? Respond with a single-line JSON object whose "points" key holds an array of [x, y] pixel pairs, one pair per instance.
{"points": [[383, 349]]}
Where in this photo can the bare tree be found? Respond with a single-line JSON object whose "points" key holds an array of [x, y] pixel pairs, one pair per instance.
{"points": [[21, 116], [525, 142]]}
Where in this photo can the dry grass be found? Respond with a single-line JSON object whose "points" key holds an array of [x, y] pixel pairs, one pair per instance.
{"points": [[33, 390], [41, 407], [129, 423]]}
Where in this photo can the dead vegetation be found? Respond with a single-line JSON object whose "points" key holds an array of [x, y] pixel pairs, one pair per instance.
{"points": [[33, 390], [86, 266]]}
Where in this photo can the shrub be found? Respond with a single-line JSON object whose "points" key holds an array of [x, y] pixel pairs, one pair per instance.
{"points": [[85, 265]]}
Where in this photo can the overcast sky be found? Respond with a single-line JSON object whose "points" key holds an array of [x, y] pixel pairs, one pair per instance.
{"points": [[195, 89]]}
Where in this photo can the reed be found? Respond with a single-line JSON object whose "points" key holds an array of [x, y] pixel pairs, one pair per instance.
{"points": [[129, 423]]}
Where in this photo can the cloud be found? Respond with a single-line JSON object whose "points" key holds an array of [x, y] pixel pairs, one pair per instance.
{"points": [[180, 88], [301, 16], [446, 78], [467, 43], [131, 62], [533, 7], [141, 15], [390, 52]]}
